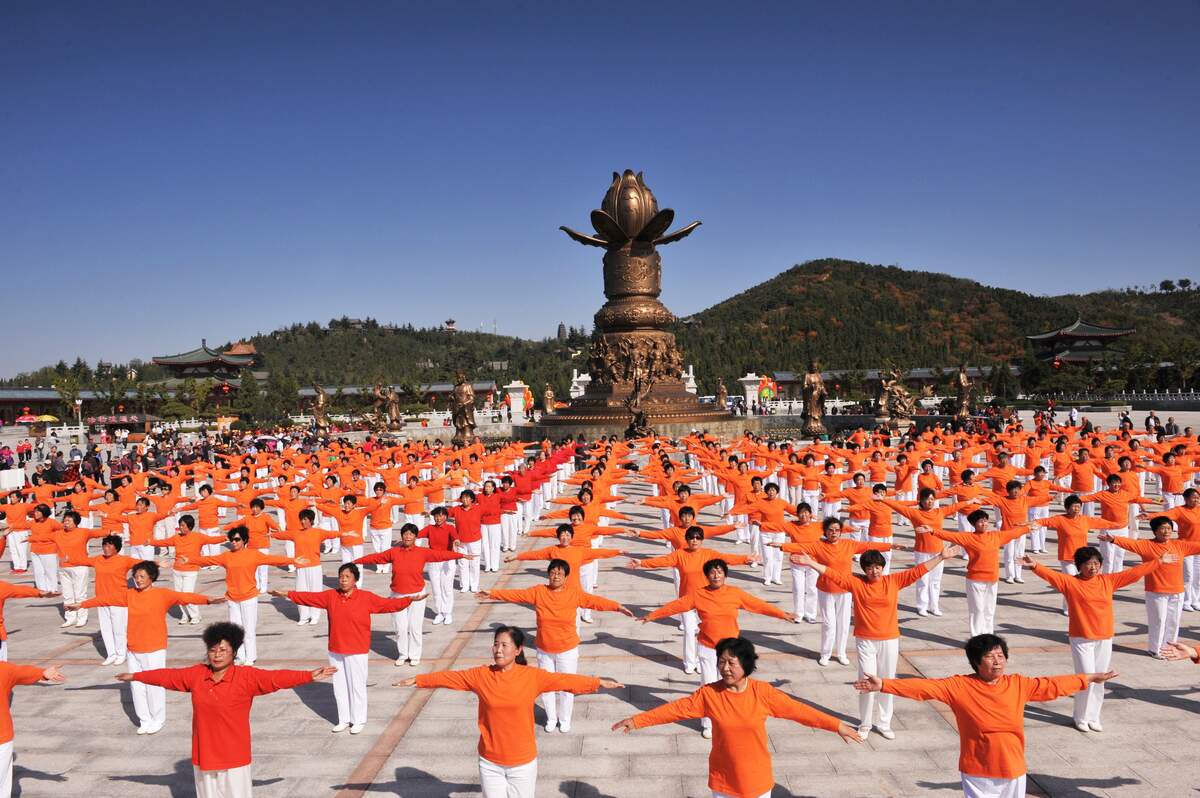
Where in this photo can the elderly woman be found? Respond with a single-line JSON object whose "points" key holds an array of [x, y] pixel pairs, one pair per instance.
{"points": [[739, 765], [222, 695], [990, 709]]}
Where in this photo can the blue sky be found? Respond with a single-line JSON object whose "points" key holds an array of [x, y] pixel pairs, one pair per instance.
{"points": [[173, 171]]}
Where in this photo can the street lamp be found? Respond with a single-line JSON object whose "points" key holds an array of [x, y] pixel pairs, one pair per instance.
{"points": [[79, 411]]}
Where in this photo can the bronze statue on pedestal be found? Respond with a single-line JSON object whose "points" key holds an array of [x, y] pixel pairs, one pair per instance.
{"points": [[462, 410], [813, 393], [633, 353], [962, 392], [320, 407]]}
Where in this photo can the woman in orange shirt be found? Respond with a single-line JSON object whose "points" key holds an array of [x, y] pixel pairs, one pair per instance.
{"points": [[147, 608], [507, 689], [739, 764], [989, 708], [10, 676], [222, 696], [556, 605]]}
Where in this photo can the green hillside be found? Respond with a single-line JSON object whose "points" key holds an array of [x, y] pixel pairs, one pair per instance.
{"points": [[854, 315]]}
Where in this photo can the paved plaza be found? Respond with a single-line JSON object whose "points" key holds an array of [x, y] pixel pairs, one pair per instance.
{"points": [[79, 739]]}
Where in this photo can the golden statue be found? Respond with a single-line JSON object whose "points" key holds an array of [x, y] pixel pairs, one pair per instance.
{"points": [[462, 410], [813, 393], [894, 399], [320, 408], [548, 399], [962, 392], [722, 395]]}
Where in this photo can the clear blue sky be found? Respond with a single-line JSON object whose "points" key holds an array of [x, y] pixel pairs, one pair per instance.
{"points": [[214, 170]]}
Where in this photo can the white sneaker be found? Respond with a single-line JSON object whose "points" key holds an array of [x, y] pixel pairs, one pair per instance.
{"points": [[437, 619], [843, 660], [586, 618], [357, 728], [109, 660], [341, 727], [1008, 580], [935, 611], [886, 734], [448, 620], [143, 729], [823, 661], [1019, 580], [194, 621], [564, 728], [400, 662], [923, 613], [183, 621], [412, 663], [154, 728], [1096, 727], [119, 661], [706, 733], [691, 669], [1083, 727], [864, 732], [65, 624], [81, 623], [551, 726]]}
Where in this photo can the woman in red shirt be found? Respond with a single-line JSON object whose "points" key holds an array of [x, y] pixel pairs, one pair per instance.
{"points": [[507, 690], [222, 695], [739, 764]]}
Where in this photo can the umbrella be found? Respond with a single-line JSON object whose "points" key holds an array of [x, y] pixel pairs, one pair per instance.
{"points": [[25, 419], [47, 417]]}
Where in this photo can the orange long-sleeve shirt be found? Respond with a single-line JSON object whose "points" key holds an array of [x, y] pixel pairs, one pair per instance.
{"points": [[72, 545], [983, 550], [555, 610], [718, 611], [239, 570], [111, 576], [1090, 601], [675, 534], [1168, 576], [506, 705], [308, 542], [221, 709], [1115, 506], [739, 763], [260, 528], [574, 556], [190, 546], [1073, 532], [43, 536], [208, 511], [10, 676], [835, 557], [1187, 519], [990, 717], [876, 614], [690, 565], [148, 614], [933, 518]]}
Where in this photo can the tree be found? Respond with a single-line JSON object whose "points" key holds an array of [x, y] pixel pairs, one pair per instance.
{"points": [[111, 389], [68, 388], [281, 395], [1001, 382], [248, 404], [200, 395], [1184, 284], [1166, 285]]}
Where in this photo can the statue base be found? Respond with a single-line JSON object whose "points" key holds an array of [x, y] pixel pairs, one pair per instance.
{"points": [[667, 403]]}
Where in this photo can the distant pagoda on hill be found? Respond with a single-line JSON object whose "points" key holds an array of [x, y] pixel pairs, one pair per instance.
{"points": [[1080, 343]]}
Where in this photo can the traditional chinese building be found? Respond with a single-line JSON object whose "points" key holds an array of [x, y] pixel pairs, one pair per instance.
{"points": [[1080, 343], [209, 363]]}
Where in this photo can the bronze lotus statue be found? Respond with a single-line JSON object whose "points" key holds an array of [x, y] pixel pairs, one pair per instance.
{"points": [[633, 353]]}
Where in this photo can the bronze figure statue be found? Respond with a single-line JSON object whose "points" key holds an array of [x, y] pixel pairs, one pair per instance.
{"points": [[632, 342], [548, 399], [722, 395], [462, 410], [320, 408], [813, 393], [962, 392], [894, 399]]}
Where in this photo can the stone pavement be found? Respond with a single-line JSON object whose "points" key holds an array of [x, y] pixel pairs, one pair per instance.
{"points": [[79, 739]]}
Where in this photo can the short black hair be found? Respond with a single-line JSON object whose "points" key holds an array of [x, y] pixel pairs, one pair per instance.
{"points": [[741, 648], [694, 533], [240, 532], [714, 564], [980, 646], [562, 565], [257, 504], [977, 516], [224, 632], [1085, 553], [308, 515], [561, 528], [410, 528], [112, 540], [1160, 520], [352, 568], [1072, 499], [871, 557], [150, 567]]}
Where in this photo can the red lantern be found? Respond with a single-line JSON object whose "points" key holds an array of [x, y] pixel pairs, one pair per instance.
{"points": [[120, 408], [1057, 363]]}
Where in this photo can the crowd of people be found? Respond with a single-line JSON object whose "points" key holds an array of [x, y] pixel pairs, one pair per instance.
{"points": [[437, 521]]}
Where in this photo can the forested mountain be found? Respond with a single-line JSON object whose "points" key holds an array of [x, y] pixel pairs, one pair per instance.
{"points": [[852, 315], [847, 314]]}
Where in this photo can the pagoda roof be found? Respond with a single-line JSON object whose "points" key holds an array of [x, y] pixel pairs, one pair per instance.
{"points": [[204, 356], [1082, 329]]}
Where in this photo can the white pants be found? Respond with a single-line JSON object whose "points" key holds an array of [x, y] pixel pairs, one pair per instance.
{"points": [[835, 622], [708, 674], [982, 787], [1191, 580], [728, 795], [149, 701], [231, 783], [981, 607], [772, 556], [6, 765], [508, 531], [1113, 556], [559, 705], [3, 652], [113, 622], [308, 580], [381, 540], [527, 515], [350, 687], [492, 538], [929, 586], [498, 781], [262, 574], [245, 615], [74, 581], [468, 569], [18, 547], [1037, 532], [877, 657], [691, 628], [1090, 656], [141, 552], [441, 579], [804, 592], [45, 572], [185, 582], [1011, 554], [1163, 611], [408, 625], [1069, 569]]}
